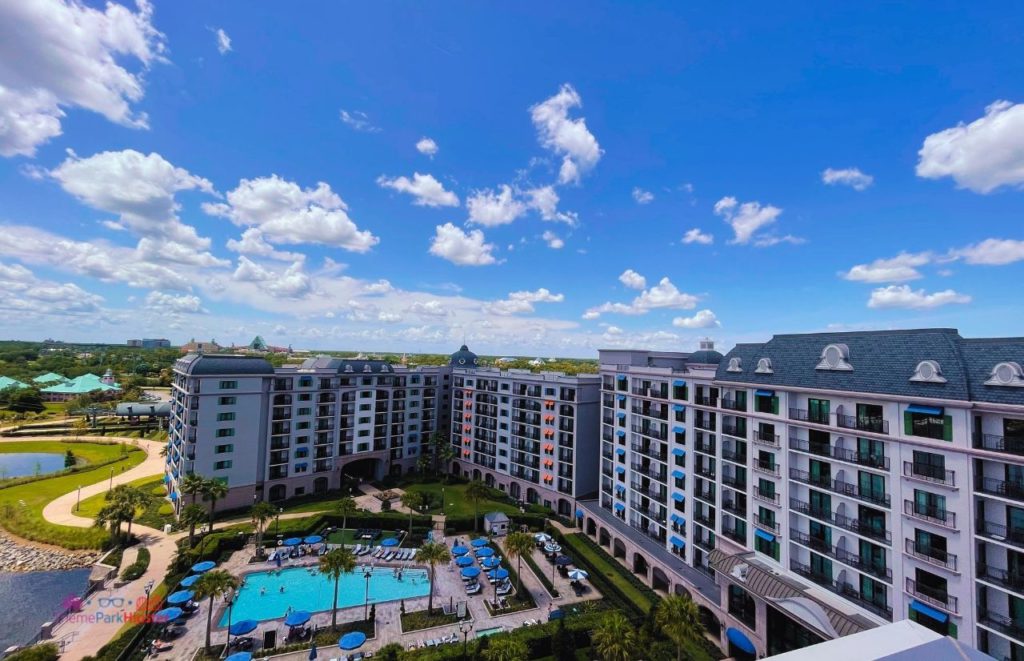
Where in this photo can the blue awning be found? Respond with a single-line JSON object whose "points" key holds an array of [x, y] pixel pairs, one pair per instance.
{"points": [[678, 407], [620, 487], [678, 519], [619, 507], [764, 393], [621, 414], [620, 451], [622, 398], [678, 497], [740, 640], [174, 495], [677, 541], [927, 410], [677, 429], [622, 377], [620, 469], [620, 432], [768, 537], [678, 474], [579, 514], [679, 382], [679, 452], [925, 609]]}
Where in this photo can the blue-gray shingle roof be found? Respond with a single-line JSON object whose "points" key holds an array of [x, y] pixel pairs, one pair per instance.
{"points": [[883, 362], [226, 364]]}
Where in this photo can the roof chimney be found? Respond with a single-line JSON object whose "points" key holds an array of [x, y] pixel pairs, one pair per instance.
{"points": [[707, 344]]}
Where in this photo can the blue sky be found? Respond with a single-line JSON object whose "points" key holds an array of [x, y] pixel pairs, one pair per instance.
{"points": [[594, 175]]}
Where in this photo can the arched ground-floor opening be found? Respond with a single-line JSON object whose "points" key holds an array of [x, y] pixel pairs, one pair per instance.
{"points": [[682, 590], [659, 580], [368, 468], [320, 486], [489, 480], [532, 496], [591, 527], [640, 565], [277, 492], [477, 474], [603, 538], [710, 621], [564, 507], [515, 490], [618, 549]]}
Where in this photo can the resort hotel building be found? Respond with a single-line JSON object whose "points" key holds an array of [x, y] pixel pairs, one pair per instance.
{"points": [[819, 485]]}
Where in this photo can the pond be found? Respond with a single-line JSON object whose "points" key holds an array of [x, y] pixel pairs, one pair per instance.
{"points": [[18, 464]]}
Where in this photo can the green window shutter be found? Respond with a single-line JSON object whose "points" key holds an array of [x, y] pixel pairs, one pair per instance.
{"points": [[775, 405], [908, 424], [947, 428]]}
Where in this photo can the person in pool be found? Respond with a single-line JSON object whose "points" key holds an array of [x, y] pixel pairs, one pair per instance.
{"points": [[263, 591]]}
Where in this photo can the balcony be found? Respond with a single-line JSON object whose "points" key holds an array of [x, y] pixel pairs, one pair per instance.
{"points": [[803, 415], [767, 524], [770, 439], [654, 452], [704, 520], [704, 471], [843, 454], [929, 473], [874, 424], [706, 544], [840, 554], [733, 404], [732, 507], [841, 588], [932, 556], [735, 536], [768, 497], [933, 596], [1002, 624], [863, 528], [734, 482], [707, 447], [994, 443], [739, 431], [934, 515], [1008, 580], [704, 422], [650, 471], [707, 495], [733, 456], [1000, 533], [766, 467], [1002, 488], [705, 401], [840, 487]]}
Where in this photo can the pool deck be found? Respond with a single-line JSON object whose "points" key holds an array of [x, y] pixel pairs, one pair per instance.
{"points": [[448, 588]]}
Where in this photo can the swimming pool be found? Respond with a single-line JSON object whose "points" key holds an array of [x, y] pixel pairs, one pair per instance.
{"points": [[261, 597]]}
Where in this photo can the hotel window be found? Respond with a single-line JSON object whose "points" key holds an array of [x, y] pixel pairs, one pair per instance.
{"points": [[225, 417], [226, 401], [818, 410], [305, 411], [221, 449], [222, 465], [223, 433], [928, 422], [766, 404], [305, 397], [228, 385]]}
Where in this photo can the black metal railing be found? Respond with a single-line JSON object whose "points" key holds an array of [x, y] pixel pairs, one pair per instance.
{"points": [[734, 456], [734, 430], [1002, 623], [933, 596], [767, 524], [865, 528], [936, 515], [875, 424], [766, 467], [844, 454], [840, 487], [995, 443], [1004, 488], [768, 497], [733, 404], [766, 438], [1007, 579], [934, 556], [842, 588], [930, 473], [840, 554], [1000, 532]]}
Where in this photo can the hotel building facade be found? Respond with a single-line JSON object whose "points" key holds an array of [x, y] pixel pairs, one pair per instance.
{"points": [[814, 486]]}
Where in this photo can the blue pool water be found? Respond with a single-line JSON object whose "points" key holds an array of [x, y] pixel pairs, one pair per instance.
{"points": [[17, 464], [307, 592]]}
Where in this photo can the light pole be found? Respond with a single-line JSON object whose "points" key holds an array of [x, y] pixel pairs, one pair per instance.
{"points": [[442, 501], [149, 589], [231, 606], [366, 599], [277, 523], [111, 485], [78, 503], [464, 628]]}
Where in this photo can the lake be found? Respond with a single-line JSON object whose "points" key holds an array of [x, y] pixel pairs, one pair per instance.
{"points": [[18, 464], [30, 598]]}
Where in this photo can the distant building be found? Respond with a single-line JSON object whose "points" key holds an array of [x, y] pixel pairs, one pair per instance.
{"points": [[192, 346], [7, 382], [496, 523], [135, 344], [149, 343], [82, 385], [49, 378]]}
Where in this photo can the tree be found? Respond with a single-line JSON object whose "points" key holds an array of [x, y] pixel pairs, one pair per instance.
{"points": [[80, 426], [216, 583], [677, 616], [437, 441], [112, 515], [391, 652], [447, 455], [518, 544], [413, 500], [506, 648], [192, 484], [423, 463], [346, 507], [133, 498], [214, 490], [615, 639], [333, 564], [431, 554], [191, 516], [476, 491], [563, 647], [261, 514], [69, 459]]}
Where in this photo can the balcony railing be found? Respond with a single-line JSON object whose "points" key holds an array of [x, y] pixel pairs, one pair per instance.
{"points": [[767, 524], [652, 451], [734, 430], [734, 482], [1007, 444], [766, 438], [863, 528], [766, 496], [1002, 624], [840, 554], [706, 401], [841, 588], [704, 521], [766, 467], [706, 447], [875, 424], [733, 456], [704, 422], [1000, 533], [1004, 488], [734, 535], [929, 473], [938, 598], [843, 454], [803, 415], [733, 507], [704, 471], [840, 487], [939, 517], [733, 404], [1010, 580], [707, 495], [933, 556]]}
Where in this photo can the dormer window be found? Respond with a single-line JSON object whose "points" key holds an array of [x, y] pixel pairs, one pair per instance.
{"points": [[735, 365], [835, 357], [764, 366], [1006, 374], [928, 371], [367, 368]]}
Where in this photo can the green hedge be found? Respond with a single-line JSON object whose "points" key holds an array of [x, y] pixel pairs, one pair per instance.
{"points": [[40, 652], [317, 523], [137, 568], [542, 575], [574, 543]]}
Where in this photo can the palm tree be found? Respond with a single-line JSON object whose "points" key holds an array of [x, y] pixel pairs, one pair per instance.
{"points": [[216, 583], [475, 491], [431, 554], [437, 441], [192, 484], [334, 564], [192, 516], [413, 500], [346, 507], [133, 499], [261, 514], [112, 515], [518, 544], [506, 648], [678, 617], [214, 490], [615, 639], [447, 455]]}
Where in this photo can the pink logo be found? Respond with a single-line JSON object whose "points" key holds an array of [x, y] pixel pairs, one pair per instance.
{"points": [[71, 603]]}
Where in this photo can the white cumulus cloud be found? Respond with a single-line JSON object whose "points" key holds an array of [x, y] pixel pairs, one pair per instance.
{"points": [[162, 302], [702, 319], [519, 302], [900, 268], [223, 41], [357, 120], [460, 247], [991, 252], [851, 177], [642, 196], [553, 240], [492, 208], [663, 295], [746, 219], [427, 191], [545, 201], [632, 279], [427, 147], [696, 236], [568, 138], [902, 296]]}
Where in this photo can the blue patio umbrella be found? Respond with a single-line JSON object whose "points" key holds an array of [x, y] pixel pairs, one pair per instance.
{"points": [[205, 565], [292, 541], [484, 552], [189, 581], [464, 561], [471, 572], [478, 542], [492, 562], [243, 627], [578, 575], [240, 656], [180, 597], [313, 539], [459, 550], [563, 561], [498, 574], [297, 618], [390, 541], [312, 652], [352, 640], [167, 614]]}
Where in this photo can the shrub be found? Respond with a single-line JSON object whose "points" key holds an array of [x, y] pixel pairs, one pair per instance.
{"points": [[40, 652], [137, 568]]}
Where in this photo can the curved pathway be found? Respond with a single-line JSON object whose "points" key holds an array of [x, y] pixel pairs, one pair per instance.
{"points": [[83, 633]]}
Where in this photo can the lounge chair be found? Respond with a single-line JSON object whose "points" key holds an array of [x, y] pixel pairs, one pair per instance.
{"points": [[357, 550], [473, 588]]}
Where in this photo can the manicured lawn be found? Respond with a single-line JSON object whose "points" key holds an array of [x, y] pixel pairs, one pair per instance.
{"points": [[420, 620], [159, 512], [21, 506], [456, 503], [609, 569]]}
